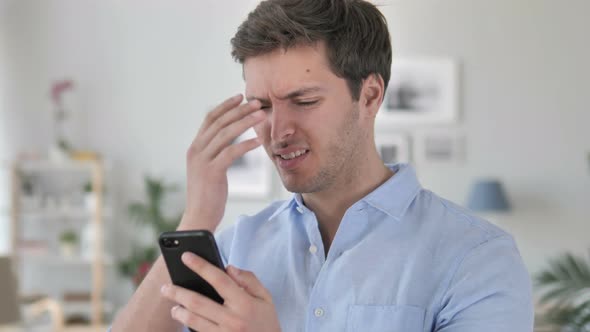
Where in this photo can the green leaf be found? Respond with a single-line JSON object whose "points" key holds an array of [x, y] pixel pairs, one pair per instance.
{"points": [[148, 213], [565, 284]]}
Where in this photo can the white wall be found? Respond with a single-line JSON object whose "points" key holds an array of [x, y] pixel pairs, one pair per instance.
{"points": [[4, 146], [147, 72], [525, 86]]}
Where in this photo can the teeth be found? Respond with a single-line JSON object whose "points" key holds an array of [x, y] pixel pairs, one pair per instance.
{"points": [[293, 154]]}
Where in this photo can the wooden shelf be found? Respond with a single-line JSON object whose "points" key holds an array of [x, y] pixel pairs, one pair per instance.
{"points": [[70, 213], [95, 170], [53, 259], [42, 165]]}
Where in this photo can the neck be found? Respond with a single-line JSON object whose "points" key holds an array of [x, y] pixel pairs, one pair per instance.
{"points": [[330, 205]]}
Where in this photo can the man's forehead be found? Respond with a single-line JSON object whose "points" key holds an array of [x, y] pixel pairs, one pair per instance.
{"points": [[293, 62], [290, 73]]}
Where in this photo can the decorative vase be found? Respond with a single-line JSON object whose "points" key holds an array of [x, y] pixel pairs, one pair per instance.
{"points": [[57, 154], [87, 240], [67, 249], [90, 201]]}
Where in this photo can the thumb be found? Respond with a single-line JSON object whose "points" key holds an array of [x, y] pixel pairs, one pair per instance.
{"points": [[248, 281]]}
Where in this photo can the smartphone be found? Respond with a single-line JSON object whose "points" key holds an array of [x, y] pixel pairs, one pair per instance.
{"points": [[199, 242]]}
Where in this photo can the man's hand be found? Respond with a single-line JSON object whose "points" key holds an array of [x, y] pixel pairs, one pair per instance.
{"points": [[247, 304], [210, 155]]}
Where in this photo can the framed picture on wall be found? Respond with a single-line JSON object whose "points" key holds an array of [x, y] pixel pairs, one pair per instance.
{"points": [[250, 175], [440, 146], [393, 148], [420, 91]]}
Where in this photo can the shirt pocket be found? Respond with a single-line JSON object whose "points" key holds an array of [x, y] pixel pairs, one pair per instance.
{"points": [[385, 318]]}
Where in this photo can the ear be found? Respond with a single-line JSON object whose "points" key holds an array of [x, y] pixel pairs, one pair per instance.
{"points": [[371, 95]]}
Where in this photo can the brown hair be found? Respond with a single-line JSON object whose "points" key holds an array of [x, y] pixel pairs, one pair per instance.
{"points": [[354, 31]]}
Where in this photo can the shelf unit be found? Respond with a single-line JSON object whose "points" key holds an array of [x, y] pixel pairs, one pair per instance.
{"points": [[94, 170]]}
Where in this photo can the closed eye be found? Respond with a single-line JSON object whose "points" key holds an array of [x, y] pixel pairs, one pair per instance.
{"points": [[307, 103]]}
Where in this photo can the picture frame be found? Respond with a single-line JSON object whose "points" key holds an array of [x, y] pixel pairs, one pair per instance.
{"points": [[420, 91], [440, 147], [393, 148], [250, 175]]}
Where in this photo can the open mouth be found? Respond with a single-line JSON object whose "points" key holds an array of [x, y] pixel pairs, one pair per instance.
{"points": [[291, 161], [293, 155]]}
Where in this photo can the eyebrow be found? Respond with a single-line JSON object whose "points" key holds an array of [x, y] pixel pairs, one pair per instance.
{"points": [[290, 95]]}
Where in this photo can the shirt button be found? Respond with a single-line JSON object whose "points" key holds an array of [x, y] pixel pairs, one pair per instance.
{"points": [[313, 249], [318, 312], [299, 209]]}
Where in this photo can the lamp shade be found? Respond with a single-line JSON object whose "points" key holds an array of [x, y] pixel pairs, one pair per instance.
{"points": [[488, 195]]}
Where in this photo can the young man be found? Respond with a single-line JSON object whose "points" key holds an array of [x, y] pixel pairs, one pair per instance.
{"points": [[361, 246]]}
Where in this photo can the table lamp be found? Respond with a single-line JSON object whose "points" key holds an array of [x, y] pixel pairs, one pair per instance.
{"points": [[488, 196]]}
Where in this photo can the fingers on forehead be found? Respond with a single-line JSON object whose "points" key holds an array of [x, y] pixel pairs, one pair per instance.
{"points": [[225, 106]]}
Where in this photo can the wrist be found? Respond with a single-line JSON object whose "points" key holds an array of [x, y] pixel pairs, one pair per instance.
{"points": [[192, 221]]}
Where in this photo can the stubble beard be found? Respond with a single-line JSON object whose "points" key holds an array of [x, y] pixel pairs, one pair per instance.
{"points": [[342, 164]]}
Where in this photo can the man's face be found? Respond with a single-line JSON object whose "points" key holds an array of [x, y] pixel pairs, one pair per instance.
{"points": [[312, 132]]}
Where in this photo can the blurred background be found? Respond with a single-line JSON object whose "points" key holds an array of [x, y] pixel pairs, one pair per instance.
{"points": [[99, 101]]}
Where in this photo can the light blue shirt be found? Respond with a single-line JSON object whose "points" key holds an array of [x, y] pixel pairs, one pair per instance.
{"points": [[403, 259]]}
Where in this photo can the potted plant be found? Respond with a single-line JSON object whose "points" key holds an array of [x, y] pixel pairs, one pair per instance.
{"points": [[138, 264], [89, 196], [565, 285], [148, 214], [68, 241]]}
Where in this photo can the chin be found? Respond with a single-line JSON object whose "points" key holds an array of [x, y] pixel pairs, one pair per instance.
{"points": [[293, 186], [299, 187], [301, 181]]}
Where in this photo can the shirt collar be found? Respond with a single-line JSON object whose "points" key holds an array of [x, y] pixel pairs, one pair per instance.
{"points": [[286, 204], [392, 197], [395, 195]]}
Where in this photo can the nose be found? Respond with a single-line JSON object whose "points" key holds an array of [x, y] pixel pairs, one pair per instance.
{"points": [[282, 126]]}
